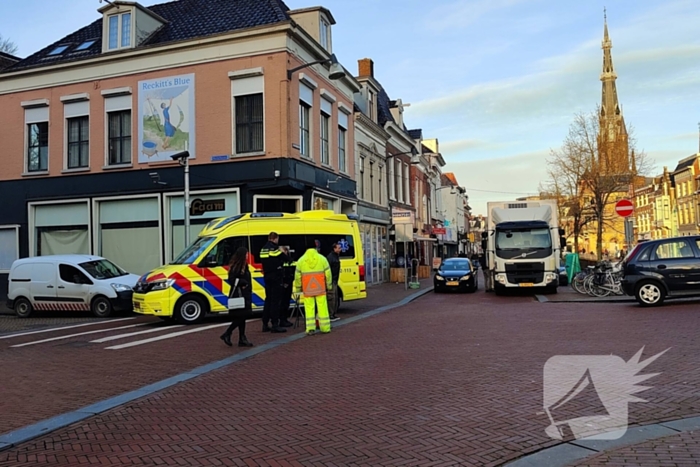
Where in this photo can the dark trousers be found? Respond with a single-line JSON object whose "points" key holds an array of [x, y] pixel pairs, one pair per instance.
{"points": [[237, 323], [284, 303], [273, 298]]}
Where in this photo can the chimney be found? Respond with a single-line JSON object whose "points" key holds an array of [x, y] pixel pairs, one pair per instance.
{"points": [[366, 68]]}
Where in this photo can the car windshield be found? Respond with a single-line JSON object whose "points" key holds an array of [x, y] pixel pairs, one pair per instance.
{"points": [[103, 269], [455, 266], [192, 252]]}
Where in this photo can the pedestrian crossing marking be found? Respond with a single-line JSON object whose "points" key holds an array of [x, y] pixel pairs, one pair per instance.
{"points": [[130, 334], [78, 334], [167, 336]]}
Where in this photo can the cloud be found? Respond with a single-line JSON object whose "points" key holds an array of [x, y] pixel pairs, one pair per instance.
{"points": [[460, 14]]}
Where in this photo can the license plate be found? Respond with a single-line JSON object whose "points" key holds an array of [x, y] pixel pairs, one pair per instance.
{"points": [[527, 284], [453, 283]]}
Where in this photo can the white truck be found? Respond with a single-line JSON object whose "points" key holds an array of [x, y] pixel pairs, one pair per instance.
{"points": [[522, 245]]}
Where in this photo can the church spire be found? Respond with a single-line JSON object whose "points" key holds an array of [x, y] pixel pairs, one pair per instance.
{"points": [[609, 104], [613, 132]]}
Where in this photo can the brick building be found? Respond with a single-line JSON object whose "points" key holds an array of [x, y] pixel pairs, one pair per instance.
{"points": [[90, 122]]}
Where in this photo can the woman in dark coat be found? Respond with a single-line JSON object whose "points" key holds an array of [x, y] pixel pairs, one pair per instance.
{"points": [[238, 269]]}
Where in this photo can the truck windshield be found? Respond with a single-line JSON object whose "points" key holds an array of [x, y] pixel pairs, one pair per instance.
{"points": [[523, 241], [192, 252]]}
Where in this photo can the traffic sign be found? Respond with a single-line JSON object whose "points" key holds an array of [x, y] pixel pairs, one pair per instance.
{"points": [[624, 207]]}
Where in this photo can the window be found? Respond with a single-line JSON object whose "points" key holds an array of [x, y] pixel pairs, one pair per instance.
{"points": [[58, 50], [361, 179], [119, 34], [78, 142], [342, 162], [9, 246], [381, 188], [325, 137], [325, 29], [72, 274], [304, 136], [370, 107], [399, 180], [84, 46], [371, 181], [407, 181], [249, 123], [392, 180], [38, 147], [119, 137], [342, 141], [221, 254], [673, 250]]}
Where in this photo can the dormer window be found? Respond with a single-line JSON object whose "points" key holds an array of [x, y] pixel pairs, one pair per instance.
{"points": [[119, 31], [325, 33]]}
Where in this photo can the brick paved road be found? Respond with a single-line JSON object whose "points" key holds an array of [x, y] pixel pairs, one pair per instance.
{"points": [[47, 379], [447, 380]]}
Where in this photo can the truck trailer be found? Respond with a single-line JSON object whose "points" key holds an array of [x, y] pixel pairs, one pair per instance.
{"points": [[522, 244]]}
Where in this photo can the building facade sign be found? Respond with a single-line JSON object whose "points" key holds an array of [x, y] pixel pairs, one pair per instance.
{"points": [[166, 118]]}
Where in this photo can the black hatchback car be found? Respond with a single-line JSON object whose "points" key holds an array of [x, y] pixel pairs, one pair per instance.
{"points": [[456, 274], [659, 269]]}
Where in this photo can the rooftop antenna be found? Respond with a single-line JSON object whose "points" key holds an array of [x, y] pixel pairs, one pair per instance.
{"points": [[107, 1]]}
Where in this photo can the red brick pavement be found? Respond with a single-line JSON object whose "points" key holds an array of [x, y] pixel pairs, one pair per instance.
{"points": [[45, 380], [674, 451], [447, 380]]}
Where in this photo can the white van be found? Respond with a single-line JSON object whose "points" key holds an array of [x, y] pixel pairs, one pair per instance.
{"points": [[69, 282]]}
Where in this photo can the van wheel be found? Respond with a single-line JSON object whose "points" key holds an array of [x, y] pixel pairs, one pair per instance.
{"points": [[649, 293], [23, 308], [101, 306], [190, 310]]}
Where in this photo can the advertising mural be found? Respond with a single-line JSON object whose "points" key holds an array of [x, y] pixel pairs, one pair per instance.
{"points": [[166, 117]]}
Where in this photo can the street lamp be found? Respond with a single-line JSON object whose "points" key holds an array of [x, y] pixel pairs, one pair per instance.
{"points": [[336, 71], [183, 158]]}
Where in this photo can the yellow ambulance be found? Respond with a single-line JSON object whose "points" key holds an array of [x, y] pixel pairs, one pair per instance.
{"points": [[196, 282]]}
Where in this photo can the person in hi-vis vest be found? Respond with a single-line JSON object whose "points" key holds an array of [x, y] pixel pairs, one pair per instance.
{"points": [[313, 278]]}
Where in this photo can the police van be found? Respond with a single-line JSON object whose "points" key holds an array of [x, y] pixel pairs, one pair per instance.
{"points": [[196, 282]]}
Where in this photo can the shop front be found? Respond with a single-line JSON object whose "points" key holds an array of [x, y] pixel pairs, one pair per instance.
{"points": [[374, 230]]}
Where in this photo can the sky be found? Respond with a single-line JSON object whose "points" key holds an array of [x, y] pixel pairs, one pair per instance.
{"points": [[497, 82]]}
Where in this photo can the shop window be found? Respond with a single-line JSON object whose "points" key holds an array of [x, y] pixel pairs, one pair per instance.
{"points": [[61, 229], [129, 233], [9, 246]]}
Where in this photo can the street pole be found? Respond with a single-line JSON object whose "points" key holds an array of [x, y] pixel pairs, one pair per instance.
{"points": [[187, 203]]}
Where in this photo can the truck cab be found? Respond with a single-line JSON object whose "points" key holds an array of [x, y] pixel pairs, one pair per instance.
{"points": [[522, 246]]}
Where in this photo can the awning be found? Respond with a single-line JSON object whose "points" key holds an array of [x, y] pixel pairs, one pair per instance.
{"points": [[424, 239]]}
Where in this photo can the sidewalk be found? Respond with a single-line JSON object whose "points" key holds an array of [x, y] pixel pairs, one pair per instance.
{"points": [[566, 294]]}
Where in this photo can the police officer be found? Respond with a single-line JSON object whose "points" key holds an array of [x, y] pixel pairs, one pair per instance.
{"points": [[272, 259], [288, 283]]}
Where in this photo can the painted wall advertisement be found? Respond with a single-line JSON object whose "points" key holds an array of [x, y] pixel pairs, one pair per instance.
{"points": [[166, 118]]}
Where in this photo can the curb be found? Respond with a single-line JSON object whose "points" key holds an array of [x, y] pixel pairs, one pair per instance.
{"points": [[567, 453], [30, 432], [543, 299]]}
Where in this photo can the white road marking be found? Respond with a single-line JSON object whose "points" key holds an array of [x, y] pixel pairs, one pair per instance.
{"points": [[167, 336], [122, 336], [79, 334], [62, 328]]}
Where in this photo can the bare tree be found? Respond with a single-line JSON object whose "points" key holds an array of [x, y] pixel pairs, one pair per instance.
{"points": [[583, 173], [7, 46]]}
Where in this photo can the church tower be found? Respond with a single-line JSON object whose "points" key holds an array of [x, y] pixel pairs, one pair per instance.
{"points": [[613, 142]]}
